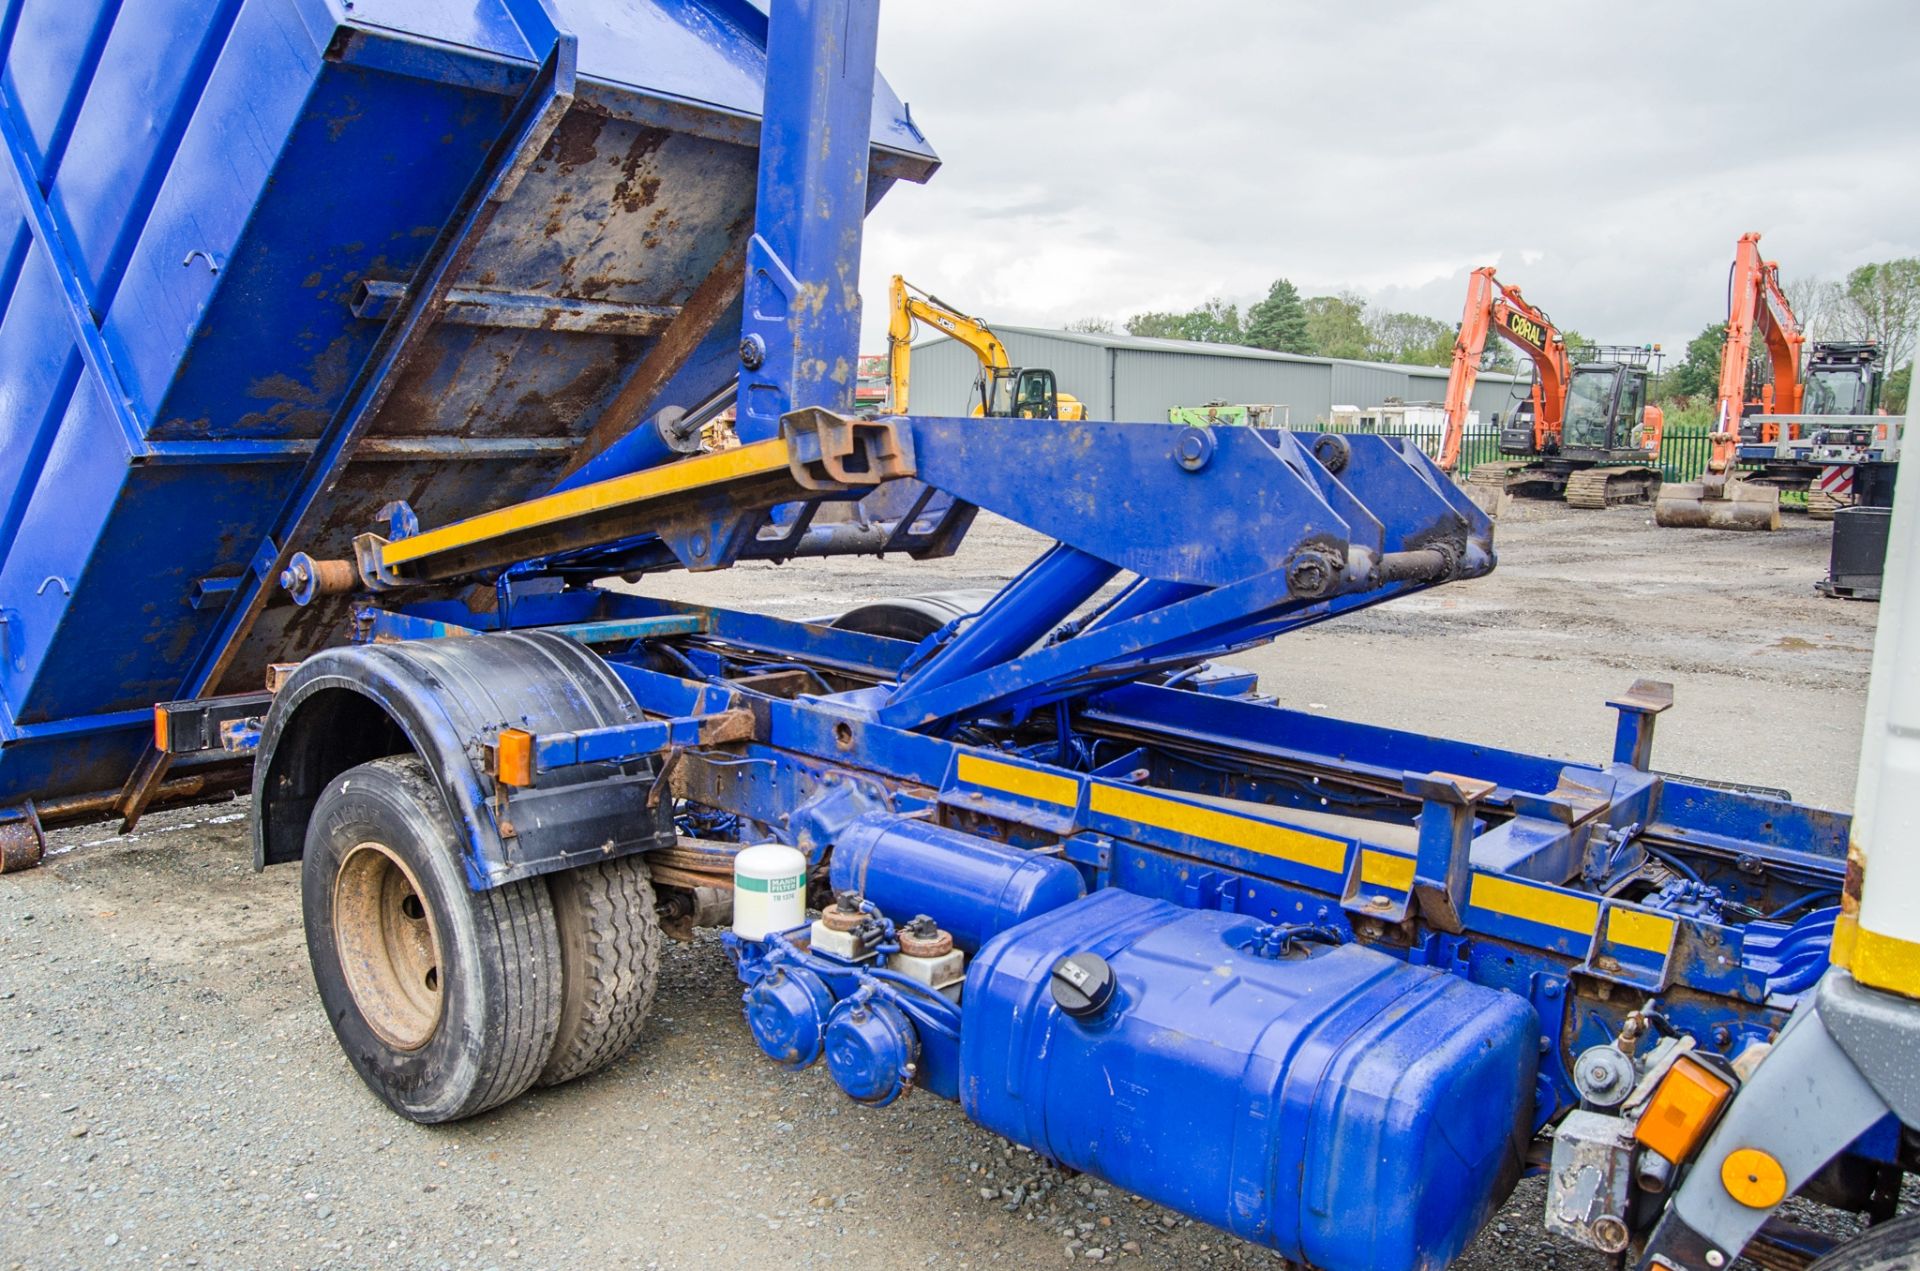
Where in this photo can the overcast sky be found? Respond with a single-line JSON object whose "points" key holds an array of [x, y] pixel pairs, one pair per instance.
{"points": [[1102, 157]]}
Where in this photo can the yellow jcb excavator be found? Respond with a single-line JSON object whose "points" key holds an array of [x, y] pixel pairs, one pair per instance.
{"points": [[1002, 390]]}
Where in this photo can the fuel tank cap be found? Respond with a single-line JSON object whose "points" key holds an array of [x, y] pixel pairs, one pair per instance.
{"points": [[1082, 984]]}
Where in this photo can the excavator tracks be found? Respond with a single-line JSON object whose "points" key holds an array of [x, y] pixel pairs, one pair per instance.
{"points": [[1583, 488], [1493, 475], [1821, 505], [1610, 487], [1520, 478]]}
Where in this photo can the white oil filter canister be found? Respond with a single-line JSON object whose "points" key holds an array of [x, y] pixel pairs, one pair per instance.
{"points": [[769, 890]]}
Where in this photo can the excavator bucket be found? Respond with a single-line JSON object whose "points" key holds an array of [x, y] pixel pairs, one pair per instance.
{"points": [[1737, 505]]}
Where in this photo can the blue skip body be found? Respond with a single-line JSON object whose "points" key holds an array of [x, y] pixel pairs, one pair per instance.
{"points": [[271, 265]]}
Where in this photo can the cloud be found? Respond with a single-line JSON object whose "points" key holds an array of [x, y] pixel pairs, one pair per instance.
{"points": [[1108, 156]]}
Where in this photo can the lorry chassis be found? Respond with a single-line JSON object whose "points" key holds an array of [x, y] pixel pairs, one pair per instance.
{"points": [[1330, 987]]}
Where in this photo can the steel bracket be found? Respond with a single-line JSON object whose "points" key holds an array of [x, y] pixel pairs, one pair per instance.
{"points": [[1443, 868], [1638, 706]]}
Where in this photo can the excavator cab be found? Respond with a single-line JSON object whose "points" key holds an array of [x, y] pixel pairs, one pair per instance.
{"points": [[1020, 392], [1598, 455], [1606, 402], [1842, 379]]}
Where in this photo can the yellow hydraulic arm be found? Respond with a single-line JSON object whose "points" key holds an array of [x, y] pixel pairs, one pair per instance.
{"points": [[908, 304]]}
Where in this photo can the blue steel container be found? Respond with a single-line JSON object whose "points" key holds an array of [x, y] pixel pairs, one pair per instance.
{"points": [[214, 219], [972, 887], [1346, 1109]]}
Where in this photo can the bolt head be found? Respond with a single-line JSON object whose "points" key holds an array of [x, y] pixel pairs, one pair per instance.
{"points": [[1193, 449], [753, 352], [1310, 575], [1611, 1235]]}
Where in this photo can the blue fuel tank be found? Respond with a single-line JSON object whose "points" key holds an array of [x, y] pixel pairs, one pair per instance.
{"points": [[973, 887], [1333, 1103]]}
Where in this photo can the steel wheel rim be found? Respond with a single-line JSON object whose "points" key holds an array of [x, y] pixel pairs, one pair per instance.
{"points": [[389, 946]]}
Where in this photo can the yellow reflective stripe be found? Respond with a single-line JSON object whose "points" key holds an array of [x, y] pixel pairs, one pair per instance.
{"points": [[757, 459], [1886, 962], [1534, 904], [1222, 827], [1385, 869], [1046, 787], [1846, 931], [1636, 930]]}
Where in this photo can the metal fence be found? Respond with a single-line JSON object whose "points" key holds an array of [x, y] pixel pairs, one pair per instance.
{"points": [[1683, 455]]}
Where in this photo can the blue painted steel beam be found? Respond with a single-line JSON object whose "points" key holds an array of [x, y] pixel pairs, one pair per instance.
{"points": [[1798, 838], [800, 333], [390, 624], [619, 744], [1041, 598], [76, 725], [52, 245], [807, 744]]}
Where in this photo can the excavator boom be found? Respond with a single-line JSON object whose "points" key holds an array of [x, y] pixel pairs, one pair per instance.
{"points": [[908, 305], [1494, 306], [1004, 390], [1756, 304]]}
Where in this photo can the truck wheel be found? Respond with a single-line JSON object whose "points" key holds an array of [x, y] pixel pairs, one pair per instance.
{"points": [[609, 960], [446, 1000], [913, 617], [1894, 1245]]}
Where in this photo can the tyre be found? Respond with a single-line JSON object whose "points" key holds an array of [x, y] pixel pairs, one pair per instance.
{"points": [[913, 618], [1894, 1245], [446, 1000], [609, 960]]}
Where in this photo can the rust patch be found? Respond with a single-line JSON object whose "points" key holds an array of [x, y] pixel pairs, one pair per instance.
{"points": [[417, 393], [670, 352], [574, 141], [21, 843], [338, 125], [727, 726], [639, 185]]}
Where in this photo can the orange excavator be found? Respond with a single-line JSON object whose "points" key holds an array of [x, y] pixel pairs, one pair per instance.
{"points": [[1793, 427], [1756, 304], [1584, 432]]}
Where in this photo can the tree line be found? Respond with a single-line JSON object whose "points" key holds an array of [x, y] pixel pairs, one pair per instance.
{"points": [[1341, 325], [1879, 302]]}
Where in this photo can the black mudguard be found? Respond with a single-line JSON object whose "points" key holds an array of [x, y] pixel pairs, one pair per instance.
{"points": [[447, 700]]}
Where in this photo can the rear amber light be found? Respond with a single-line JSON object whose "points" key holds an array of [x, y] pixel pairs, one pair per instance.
{"points": [[1683, 1109], [513, 757], [162, 729]]}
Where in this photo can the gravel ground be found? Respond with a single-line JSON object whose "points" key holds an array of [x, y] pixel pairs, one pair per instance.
{"points": [[170, 1093]]}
